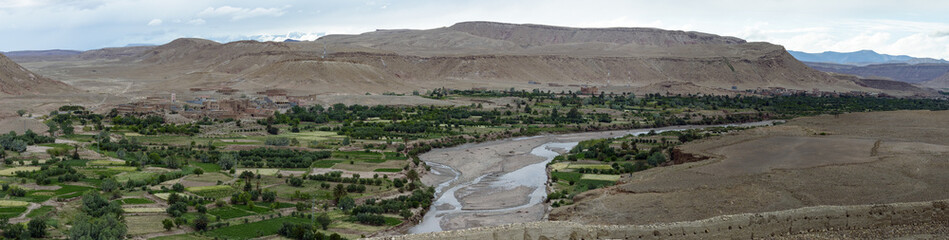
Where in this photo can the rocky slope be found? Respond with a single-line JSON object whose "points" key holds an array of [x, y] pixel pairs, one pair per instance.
{"points": [[16, 80], [939, 82], [911, 73], [486, 54], [860, 58], [465, 55]]}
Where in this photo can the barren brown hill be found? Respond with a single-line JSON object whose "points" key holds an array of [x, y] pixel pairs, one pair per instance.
{"points": [[850, 159], [470, 54], [16, 80], [940, 82], [911, 73]]}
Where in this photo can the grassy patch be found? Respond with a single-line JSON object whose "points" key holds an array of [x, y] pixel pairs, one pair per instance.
{"points": [[105, 163], [326, 163], [12, 171], [387, 170], [162, 196], [143, 224], [11, 212], [39, 212], [602, 177], [13, 203], [57, 145], [207, 167], [229, 212], [253, 230], [79, 137], [136, 201], [144, 210], [123, 168], [257, 208], [256, 171], [76, 162], [218, 191], [395, 156], [209, 177], [137, 176], [311, 136], [567, 176]]}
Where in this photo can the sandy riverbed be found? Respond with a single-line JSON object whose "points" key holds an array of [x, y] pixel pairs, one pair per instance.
{"points": [[498, 182]]}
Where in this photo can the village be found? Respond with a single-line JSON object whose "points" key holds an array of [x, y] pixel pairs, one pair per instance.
{"points": [[221, 103]]}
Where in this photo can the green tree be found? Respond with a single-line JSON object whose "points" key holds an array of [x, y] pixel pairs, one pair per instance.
{"points": [[178, 187], [324, 221], [412, 175], [67, 127], [338, 192], [53, 127], [109, 185], [20, 112], [201, 223], [37, 227], [168, 223], [99, 219], [198, 171], [14, 231]]}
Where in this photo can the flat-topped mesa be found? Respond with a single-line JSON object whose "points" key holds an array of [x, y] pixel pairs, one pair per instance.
{"points": [[528, 35]]}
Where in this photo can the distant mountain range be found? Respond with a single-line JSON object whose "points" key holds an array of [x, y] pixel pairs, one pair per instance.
{"points": [[860, 58], [927, 72]]}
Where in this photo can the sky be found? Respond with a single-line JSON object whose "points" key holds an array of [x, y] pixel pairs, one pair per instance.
{"points": [[905, 27]]}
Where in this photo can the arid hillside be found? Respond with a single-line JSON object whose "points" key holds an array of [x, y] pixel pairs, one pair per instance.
{"points": [[16, 80], [465, 55], [910, 73], [850, 159]]}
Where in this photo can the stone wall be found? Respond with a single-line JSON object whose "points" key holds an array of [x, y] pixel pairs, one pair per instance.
{"points": [[739, 226]]}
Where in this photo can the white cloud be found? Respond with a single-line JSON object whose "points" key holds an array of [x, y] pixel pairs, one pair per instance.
{"points": [[154, 22], [237, 13], [197, 21]]}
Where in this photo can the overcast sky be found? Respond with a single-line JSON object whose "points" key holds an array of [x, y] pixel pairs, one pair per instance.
{"points": [[916, 28]]}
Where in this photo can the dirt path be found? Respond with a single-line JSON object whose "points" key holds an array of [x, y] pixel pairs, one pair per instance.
{"points": [[22, 217]]}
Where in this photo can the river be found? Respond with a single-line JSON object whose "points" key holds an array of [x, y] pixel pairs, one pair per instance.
{"points": [[503, 181]]}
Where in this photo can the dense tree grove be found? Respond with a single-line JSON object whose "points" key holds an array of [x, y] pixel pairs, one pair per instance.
{"points": [[17, 143], [151, 125], [279, 158], [99, 219]]}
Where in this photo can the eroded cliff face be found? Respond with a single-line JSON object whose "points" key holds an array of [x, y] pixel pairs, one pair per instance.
{"points": [[483, 54]]}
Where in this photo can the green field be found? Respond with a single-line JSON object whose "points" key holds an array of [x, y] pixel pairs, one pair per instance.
{"points": [[601, 177], [105, 163], [260, 171], [12, 171], [229, 212], [207, 167], [144, 210], [209, 177], [137, 176], [10, 212], [80, 138], [326, 163], [218, 191], [387, 170], [13, 203], [253, 230], [136, 201], [42, 211], [311, 136]]}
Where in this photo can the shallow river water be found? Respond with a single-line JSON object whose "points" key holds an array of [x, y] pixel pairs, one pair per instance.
{"points": [[533, 177]]}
